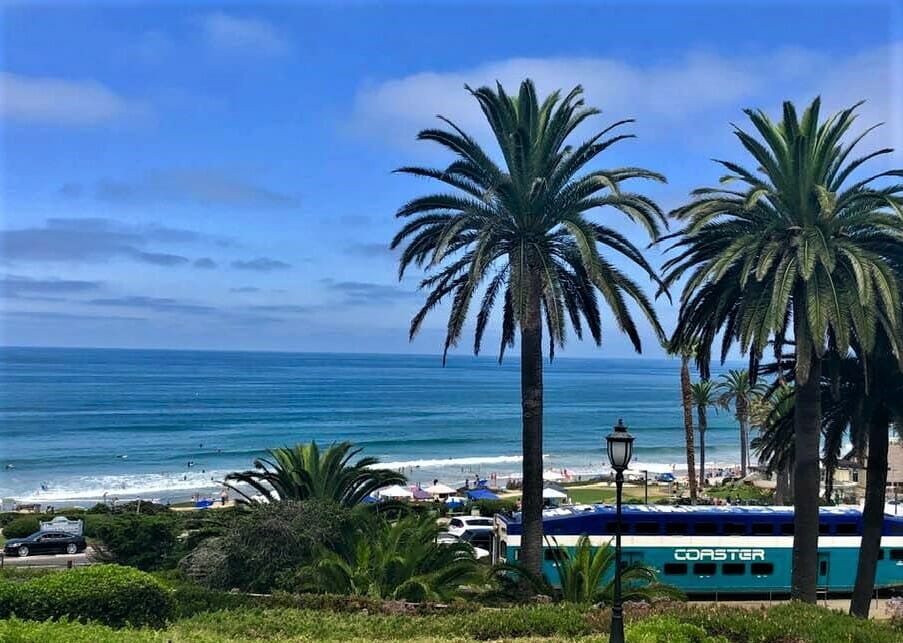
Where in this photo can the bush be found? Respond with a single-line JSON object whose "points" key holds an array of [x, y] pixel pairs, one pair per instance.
{"points": [[108, 594], [145, 542], [21, 527], [268, 541], [668, 629], [491, 507]]}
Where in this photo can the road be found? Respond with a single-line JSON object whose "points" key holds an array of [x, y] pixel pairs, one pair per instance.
{"points": [[57, 561]]}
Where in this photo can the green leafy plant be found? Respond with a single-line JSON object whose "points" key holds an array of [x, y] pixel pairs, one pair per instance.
{"points": [[401, 559], [21, 527], [303, 472], [108, 594]]}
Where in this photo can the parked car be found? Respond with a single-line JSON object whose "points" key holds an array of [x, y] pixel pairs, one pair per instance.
{"points": [[459, 524], [45, 542], [480, 539]]}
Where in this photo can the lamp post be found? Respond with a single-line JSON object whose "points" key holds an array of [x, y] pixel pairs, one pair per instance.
{"points": [[620, 449]]}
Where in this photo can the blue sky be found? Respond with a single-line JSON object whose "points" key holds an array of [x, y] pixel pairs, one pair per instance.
{"points": [[219, 176]]}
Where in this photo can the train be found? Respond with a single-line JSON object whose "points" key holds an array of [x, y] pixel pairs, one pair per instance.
{"points": [[713, 549]]}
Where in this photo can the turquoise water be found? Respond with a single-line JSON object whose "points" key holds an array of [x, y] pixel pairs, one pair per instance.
{"points": [[76, 423]]}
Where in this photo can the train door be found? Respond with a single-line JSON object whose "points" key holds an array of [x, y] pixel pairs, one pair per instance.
{"points": [[824, 569]]}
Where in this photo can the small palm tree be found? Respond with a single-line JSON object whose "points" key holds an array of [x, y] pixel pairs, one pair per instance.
{"points": [[686, 397], [704, 398], [393, 560], [737, 388], [304, 472], [587, 576], [523, 233]]}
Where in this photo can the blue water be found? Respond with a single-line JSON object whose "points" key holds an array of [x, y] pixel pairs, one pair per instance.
{"points": [[68, 416]]}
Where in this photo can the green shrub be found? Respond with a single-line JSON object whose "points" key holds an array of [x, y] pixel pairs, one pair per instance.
{"points": [[147, 542], [491, 507], [21, 527], [108, 594], [668, 629]]}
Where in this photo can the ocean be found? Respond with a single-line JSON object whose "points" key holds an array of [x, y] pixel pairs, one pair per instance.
{"points": [[78, 423]]}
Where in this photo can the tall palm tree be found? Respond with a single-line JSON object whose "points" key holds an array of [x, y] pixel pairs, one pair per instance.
{"points": [[686, 399], [799, 242], [703, 397], [304, 472], [522, 230], [737, 388]]}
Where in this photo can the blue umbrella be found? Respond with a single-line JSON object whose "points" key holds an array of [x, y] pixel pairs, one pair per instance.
{"points": [[481, 494]]}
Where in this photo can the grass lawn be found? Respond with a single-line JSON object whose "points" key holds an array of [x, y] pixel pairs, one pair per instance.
{"points": [[555, 623], [590, 495]]}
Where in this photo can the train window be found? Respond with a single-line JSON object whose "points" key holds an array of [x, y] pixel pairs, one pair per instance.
{"points": [[823, 529], [503, 549], [646, 528], [734, 529], [762, 529], [895, 529], [706, 529], [822, 568], [896, 554], [761, 569], [554, 553], [676, 528], [612, 527], [880, 554], [733, 569], [845, 529], [704, 569], [786, 528], [675, 569]]}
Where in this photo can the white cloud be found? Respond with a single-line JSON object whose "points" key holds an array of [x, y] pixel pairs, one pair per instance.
{"points": [[243, 35], [59, 101], [692, 97]]}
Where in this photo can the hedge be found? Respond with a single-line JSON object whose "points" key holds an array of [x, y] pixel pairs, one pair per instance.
{"points": [[108, 594], [21, 527]]}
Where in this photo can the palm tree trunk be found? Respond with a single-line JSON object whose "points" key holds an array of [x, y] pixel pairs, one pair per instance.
{"points": [[703, 426], [872, 515], [743, 419], [687, 399], [806, 425], [531, 405], [783, 490]]}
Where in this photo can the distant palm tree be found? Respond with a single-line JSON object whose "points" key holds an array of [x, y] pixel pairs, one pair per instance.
{"points": [[303, 472], [798, 242], [393, 560], [521, 231], [737, 388], [704, 398], [686, 398]]}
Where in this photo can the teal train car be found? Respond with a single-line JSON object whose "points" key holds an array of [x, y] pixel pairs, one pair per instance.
{"points": [[708, 550]]}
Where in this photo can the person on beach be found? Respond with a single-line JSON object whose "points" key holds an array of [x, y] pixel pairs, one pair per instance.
{"points": [[223, 497]]}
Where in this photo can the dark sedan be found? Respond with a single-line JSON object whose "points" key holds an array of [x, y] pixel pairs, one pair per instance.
{"points": [[45, 542]]}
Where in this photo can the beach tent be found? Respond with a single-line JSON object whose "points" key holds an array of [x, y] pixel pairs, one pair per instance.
{"points": [[440, 490], [455, 501], [553, 494], [369, 500], [481, 494], [421, 494], [395, 491], [554, 476]]}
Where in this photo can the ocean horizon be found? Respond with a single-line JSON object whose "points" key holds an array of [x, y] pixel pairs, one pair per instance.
{"points": [[78, 423]]}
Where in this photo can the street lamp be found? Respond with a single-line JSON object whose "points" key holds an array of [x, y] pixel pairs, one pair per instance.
{"points": [[620, 449]]}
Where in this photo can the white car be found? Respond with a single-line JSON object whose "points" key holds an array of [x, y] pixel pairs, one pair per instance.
{"points": [[459, 524]]}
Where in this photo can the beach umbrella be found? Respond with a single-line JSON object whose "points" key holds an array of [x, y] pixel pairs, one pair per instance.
{"points": [[455, 501], [553, 494], [395, 491], [481, 494], [440, 489]]}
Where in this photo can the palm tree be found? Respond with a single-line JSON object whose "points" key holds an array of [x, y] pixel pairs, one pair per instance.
{"points": [[586, 576], [686, 398], [521, 231], [799, 242], [302, 472], [704, 398], [393, 560], [737, 388]]}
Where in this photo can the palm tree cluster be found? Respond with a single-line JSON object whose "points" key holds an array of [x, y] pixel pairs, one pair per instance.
{"points": [[803, 253]]}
